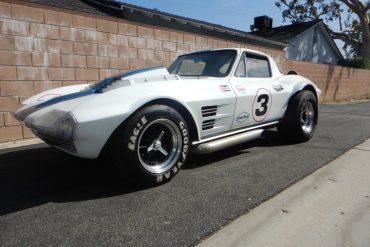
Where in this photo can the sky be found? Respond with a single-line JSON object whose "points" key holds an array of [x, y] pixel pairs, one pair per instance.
{"points": [[238, 14]]}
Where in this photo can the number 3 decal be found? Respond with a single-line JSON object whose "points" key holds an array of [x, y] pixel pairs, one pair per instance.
{"points": [[261, 104]]}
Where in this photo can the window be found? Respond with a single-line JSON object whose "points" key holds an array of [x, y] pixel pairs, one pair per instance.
{"points": [[257, 66], [190, 67], [209, 63], [240, 70]]}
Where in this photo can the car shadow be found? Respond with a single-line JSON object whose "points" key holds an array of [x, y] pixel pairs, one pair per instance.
{"points": [[31, 177]]}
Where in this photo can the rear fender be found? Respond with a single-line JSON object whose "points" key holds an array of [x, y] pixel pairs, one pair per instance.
{"points": [[298, 83]]}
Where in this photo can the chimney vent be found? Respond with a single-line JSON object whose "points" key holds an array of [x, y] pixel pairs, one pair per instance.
{"points": [[262, 23]]}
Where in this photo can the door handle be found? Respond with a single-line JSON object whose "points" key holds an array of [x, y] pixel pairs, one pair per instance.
{"points": [[278, 87]]}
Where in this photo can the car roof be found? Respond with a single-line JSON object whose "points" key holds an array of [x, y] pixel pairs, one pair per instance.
{"points": [[239, 50]]}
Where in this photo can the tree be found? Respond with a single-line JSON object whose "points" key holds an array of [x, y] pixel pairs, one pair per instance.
{"points": [[352, 17]]}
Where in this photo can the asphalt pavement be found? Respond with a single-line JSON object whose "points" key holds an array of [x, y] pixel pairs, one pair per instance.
{"points": [[50, 198]]}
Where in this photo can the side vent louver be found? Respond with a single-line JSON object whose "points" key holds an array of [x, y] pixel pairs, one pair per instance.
{"points": [[208, 111], [208, 124]]}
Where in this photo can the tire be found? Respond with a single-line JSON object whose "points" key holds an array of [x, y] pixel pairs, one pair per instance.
{"points": [[301, 117], [150, 148]]}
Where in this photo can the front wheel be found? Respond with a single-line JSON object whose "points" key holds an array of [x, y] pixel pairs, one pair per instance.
{"points": [[152, 146], [300, 121]]}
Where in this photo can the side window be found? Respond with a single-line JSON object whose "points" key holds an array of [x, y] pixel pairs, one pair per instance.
{"points": [[257, 66], [240, 70]]}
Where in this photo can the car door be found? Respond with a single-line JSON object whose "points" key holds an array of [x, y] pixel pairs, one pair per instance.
{"points": [[260, 96]]}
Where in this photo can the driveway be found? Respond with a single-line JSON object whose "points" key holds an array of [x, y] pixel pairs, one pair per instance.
{"points": [[50, 198]]}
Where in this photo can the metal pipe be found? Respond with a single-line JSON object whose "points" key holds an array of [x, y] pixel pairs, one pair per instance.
{"points": [[213, 146]]}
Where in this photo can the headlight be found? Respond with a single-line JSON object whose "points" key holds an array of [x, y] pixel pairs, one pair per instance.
{"points": [[65, 126], [56, 123]]}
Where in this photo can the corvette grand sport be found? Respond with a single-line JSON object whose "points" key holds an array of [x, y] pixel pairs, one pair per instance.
{"points": [[150, 119]]}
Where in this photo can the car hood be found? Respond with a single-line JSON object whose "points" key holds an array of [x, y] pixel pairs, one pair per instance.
{"points": [[62, 94]]}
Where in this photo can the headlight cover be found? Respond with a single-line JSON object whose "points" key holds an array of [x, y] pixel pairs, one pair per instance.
{"points": [[65, 126], [56, 123]]}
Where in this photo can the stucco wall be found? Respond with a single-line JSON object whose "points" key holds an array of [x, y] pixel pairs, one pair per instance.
{"points": [[43, 48]]}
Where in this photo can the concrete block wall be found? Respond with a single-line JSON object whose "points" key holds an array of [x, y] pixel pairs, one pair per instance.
{"points": [[337, 83], [43, 48]]}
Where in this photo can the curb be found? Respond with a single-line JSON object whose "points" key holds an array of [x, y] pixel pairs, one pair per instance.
{"points": [[20, 143]]}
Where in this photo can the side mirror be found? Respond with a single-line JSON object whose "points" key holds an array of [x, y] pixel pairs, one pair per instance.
{"points": [[292, 72]]}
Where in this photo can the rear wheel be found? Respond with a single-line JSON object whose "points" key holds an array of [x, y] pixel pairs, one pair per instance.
{"points": [[152, 146], [300, 121]]}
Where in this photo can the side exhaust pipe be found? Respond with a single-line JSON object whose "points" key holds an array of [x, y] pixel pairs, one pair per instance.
{"points": [[213, 146]]}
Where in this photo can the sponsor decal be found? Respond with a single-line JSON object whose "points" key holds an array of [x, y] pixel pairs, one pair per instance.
{"points": [[240, 89], [225, 88], [242, 117]]}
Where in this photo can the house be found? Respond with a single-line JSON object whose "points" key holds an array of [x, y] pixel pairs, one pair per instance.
{"points": [[306, 41]]}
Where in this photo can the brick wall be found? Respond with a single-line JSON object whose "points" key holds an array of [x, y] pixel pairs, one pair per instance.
{"points": [[42, 48]]}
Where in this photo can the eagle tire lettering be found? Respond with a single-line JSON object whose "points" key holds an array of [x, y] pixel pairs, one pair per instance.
{"points": [[135, 132]]}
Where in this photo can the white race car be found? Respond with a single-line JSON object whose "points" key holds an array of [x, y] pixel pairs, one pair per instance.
{"points": [[149, 119]]}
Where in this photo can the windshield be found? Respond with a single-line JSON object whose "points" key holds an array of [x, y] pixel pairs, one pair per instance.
{"points": [[209, 63]]}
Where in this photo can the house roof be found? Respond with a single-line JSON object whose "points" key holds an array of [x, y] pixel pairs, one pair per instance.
{"points": [[155, 17], [76, 5], [286, 33]]}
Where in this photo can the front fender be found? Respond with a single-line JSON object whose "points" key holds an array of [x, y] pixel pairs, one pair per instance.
{"points": [[97, 121]]}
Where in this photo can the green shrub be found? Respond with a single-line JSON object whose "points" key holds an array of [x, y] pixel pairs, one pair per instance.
{"points": [[358, 62]]}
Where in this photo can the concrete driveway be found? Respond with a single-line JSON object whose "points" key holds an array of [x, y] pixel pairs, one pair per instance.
{"points": [[50, 198]]}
